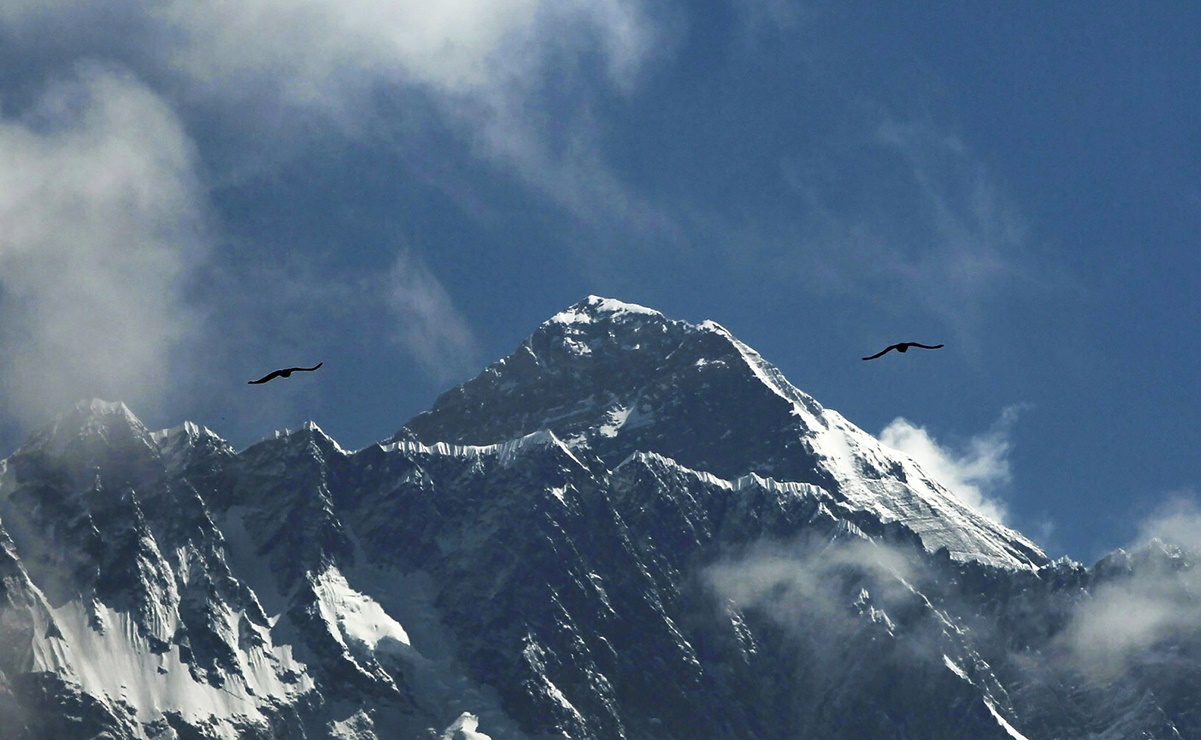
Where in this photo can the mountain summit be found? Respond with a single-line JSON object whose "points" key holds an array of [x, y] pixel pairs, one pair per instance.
{"points": [[617, 378], [631, 527]]}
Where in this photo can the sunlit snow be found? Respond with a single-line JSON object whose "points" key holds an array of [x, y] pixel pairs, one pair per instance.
{"points": [[466, 727], [119, 664], [603, 306], [357, 617]]}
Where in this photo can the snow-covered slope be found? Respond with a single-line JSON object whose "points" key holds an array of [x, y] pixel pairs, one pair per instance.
{"points": [[630, 528]]}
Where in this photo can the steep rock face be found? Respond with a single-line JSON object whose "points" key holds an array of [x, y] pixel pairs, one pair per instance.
{"points": [[574, 544]]}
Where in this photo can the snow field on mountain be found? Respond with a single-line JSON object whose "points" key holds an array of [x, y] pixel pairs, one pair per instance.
{"points": [[117, 664], [466, 727], [354, 618]]}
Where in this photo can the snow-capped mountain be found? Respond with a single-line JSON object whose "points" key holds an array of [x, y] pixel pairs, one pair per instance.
{"points": [[615, 379], [630, 527]]}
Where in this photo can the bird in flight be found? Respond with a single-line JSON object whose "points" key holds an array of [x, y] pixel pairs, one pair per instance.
{"points": [[284, 373], [903, 347]]}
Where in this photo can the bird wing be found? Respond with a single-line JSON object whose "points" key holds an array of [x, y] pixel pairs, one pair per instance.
{"points": [[303, 369], [925, 346], [269, 376], [881, 352]]}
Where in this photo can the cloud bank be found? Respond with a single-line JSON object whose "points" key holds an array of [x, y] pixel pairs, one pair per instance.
{"points": [[101, 217]]}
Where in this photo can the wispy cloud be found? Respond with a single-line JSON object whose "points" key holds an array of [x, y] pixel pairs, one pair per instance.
{"points": [[1121, 620], [1177, 521], [323, 53], [761, 17], [100, 219], [910, 206], [427, 323], [976, 235], [511, 83], [1158, 601], [973, 471], [803, 586]]}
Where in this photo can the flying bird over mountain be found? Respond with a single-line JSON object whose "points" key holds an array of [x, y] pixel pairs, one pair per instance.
{"points": [[903, 347], [284, 373]]}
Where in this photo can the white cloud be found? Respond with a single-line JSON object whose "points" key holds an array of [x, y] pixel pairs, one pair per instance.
{"points": [[427, 323], [799, 583], [514, 81], [1176, 521], [316, 47], [973, 472], [1160, 601], [493, 70], [310, 50], [1122, 619], [100, 220]]}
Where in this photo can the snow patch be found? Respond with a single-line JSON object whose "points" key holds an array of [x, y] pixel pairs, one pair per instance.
{"points": [[117, 664], [946, 659], [505, 452], [988, 701], [893, 487], [355, 727], [534, 656], [466, 727], [1009, 729], [355, 617], [624, 417], [744, 482], [189, 429], [576, 347], [311, 426], [97, 407]]}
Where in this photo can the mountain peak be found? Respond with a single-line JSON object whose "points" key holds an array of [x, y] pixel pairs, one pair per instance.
{"points": [[188, 430], [616, 379], [597, 308], [95, 420], [603, 368], [104, 412]]}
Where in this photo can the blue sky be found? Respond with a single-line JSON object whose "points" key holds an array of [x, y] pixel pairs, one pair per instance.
{"points": [[192, 194]]}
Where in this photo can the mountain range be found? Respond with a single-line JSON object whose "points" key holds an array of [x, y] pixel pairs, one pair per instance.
{"points": [[630, 527]]}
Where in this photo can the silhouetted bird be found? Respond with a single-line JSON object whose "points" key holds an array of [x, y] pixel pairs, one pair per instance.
{"points": [[284, 373], [903, 347]]}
